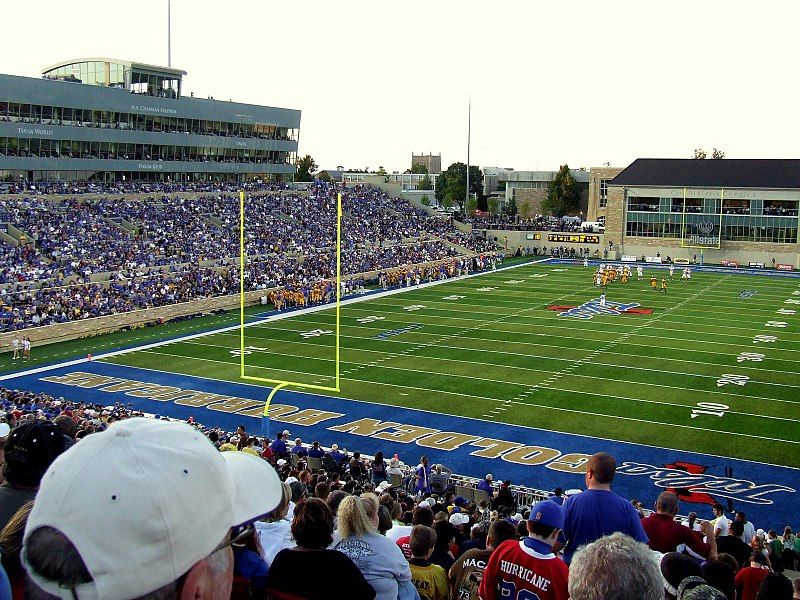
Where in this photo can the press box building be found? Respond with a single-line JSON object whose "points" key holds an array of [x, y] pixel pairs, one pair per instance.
{"points": [[105, 119]]}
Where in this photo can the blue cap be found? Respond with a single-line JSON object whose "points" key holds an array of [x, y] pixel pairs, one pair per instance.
{"points": [[547, 513], [460, 501]]}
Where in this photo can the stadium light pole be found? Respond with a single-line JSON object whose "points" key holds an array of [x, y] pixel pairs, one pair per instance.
{"points": [[469, 135], [169, 33]]}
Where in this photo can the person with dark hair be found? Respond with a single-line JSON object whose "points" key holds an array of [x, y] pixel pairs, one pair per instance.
{"points": [[720, 575], [775, 586], [334, 500], [384, 520], [445, 538], [423, 515], [423, 477], [478, 534], [322, 490], [529, 566], [557, 496], [307, 570], [666, 535], [466, 573], [597, 511], [734, 545], [503, 501], [30, 449], [11, 548], [749, 578], [429, 579], [720, 521], [98, 529], [378, 469]]}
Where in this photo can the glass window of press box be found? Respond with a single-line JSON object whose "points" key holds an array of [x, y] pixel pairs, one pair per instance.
{"points": [[743, 220], [83, 117], [91, 72]]}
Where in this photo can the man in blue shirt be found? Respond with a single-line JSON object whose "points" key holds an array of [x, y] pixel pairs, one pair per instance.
{"points": [[278, 447], [597, 511], [298, 448], [485, 484]]}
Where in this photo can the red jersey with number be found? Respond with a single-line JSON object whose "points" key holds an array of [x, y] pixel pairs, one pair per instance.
{"points": [[524, 570]]}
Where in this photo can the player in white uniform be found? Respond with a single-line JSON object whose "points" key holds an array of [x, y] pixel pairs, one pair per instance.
{"points": [[671, 270], [15, 346], [598, 279], [603, 299], [688, 273], [639, 272], [26, 348], [585, 261]]}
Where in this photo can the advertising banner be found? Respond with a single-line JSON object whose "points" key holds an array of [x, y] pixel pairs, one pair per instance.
{"points": [[784, 267]]}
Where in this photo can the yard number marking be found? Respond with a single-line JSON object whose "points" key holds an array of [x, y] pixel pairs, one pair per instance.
{"points": [[414, 307], [315, 333], [754, 356], [767, 339], [730, 378], [370, 319], [709, 408]]}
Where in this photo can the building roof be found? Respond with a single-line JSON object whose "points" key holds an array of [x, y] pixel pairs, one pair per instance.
{"points": [[766, 173], [127, 63]]}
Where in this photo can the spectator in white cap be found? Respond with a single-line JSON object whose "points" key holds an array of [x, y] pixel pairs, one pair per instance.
{"points": [[146, 509]]}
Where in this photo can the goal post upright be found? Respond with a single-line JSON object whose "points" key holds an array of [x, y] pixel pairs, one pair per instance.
{"points": [[279, 384]]}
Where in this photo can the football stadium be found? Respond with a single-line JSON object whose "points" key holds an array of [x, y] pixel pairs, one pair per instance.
{"points": [[190, 335]]}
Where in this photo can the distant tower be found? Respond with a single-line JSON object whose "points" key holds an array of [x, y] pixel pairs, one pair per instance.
{"points": [[432, 161]]}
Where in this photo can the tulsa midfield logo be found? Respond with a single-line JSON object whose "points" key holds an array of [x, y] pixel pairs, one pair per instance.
{"points": [[589, 309]]}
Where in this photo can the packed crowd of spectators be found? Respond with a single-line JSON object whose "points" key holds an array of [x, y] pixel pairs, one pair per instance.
{"points": [[288, 520], [92, 256]]}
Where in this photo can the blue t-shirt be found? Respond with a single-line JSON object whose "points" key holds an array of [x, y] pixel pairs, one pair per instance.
{"points": [[594, 513]]}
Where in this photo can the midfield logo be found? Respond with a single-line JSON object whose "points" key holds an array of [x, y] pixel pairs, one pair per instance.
{"points": [[589, 309]]}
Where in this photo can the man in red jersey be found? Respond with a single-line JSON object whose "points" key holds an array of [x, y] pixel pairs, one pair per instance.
{"points": [[528, 568]]}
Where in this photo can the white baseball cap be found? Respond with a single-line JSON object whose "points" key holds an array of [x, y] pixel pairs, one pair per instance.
{"points": [[144, 501], [459, 519]]}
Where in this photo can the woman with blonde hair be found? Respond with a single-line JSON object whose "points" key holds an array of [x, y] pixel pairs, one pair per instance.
{"points": [[380, 560], [274, 531]]}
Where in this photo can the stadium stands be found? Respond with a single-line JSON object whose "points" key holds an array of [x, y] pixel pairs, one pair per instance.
{"points": [[92, 254], [460, 516]]}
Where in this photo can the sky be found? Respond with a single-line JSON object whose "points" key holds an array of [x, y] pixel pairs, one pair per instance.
{"points": [[551, 82]]}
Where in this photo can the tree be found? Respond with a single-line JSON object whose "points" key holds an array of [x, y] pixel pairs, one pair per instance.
{"points": [[483, 204], [381, 171], [699, 154], [472, 205], [563, 194], [493, 204], [419, 168], [717, 153], [525, 210], [425, 183], [511, 207], [426, 201], [453, 183], [305, 169]]}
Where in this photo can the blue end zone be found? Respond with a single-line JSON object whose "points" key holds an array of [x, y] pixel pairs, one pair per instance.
{"points": [[533, 457]]}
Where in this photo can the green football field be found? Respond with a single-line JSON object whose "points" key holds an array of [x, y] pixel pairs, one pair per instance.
{"points": [[713, 368]]}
